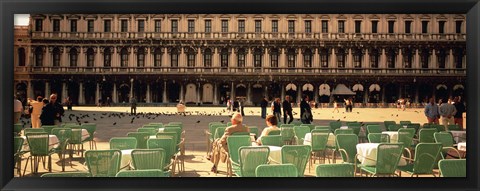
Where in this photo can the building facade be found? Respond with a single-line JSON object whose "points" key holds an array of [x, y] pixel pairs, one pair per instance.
{"points": [[207, 58]]}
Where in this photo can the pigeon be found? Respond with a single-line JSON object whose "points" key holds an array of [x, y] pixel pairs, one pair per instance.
{"points": [[397, 115], [198, 121], [94, 119], [338, 120], [115, 123], [222, 121], [358, 112], [344, 117]]}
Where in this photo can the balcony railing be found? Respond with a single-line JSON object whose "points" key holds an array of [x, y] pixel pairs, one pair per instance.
{"points": [[253, 36], [244, 71]]}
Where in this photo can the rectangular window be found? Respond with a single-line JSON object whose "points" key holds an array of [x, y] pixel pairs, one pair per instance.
{"points": [[174, 60], [56, 25], [141, 60], [358, 26], [391, 60], [56, 59], [324, 26], [291, 60], [124, 26], [90, 60], [158, 25], [441, 27], [124, 60], [408, 27], [257, 62], [374, 26], [424, 27], [241, 60], [191, 26], [458, 27], [174, 26], [141, 26], [38, 24], [208, 60], [73, 25], [275, 26], [224, 60], [391, 26], [274, 60], [307, 60], [258, 26], [107, 26], [308, 26], [241, 26], [208, 26], [357, 60], [90, 25], [224, 26], [341, 61], [158, 60], [73, 60], [324, 59], [441, 61], [291, 26], [374, 60], [191, 60], [341, 26]]}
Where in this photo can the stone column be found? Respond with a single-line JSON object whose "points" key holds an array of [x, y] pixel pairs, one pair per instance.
{"points": [[383, 94], [99, 59], [282, 58], [47, 90], [349, 59], [164, 95], [365, 97], [315, 92], [97, 93], [282, 91], [232, 61], [367, 59], [30, 90], [65, 59], [417, 59], [131, 89], [64, 92], [249, 94], [131, 59], [299, 93], [182, 94], [81, 95], [216, 57], [299, 59], [316, 58], [199, 101], [416, 95], [215, 93], [199, 65], [232, 92], [114, 94], [333, 59], [265, 93], [165, 61], [383, 59], [249, 58], [148, 94], [400, 60], [451, 60], [434, 59]]}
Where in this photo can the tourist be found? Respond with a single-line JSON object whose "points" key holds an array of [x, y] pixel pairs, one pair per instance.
{"points": [[335, 107], [17, 109], [219, 146], [272, 123], [431, 112], [68, 103], [287, 110], [306, 111], [348, 105], [458, 117], [37, 106], [133, 106], [236, 105], [276, 109], [263, 105], [52, 112], [181, 107], [109, 102], [447, 111], [242, 106]]}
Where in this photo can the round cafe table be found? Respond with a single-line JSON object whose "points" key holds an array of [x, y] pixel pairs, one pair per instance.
{"points": [[370, 150]]}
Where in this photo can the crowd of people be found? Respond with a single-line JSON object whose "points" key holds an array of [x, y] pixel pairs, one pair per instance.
{"points": [[449, 113], [277, 106], [42, 111]]}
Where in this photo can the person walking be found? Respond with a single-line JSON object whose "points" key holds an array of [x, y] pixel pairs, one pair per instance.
{"points": [[335, 107], [458, 117], [52, 112], [287, 110], [133, 106], [263, 105], [17, 109], [431, 112], [306, 111], [447, 111], [276, 109], [68, 103], [348, 105], [37, 106], [242, 106]]}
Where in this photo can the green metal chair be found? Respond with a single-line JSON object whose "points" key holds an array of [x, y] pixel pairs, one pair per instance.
{"points": [[148, 159], [68, 124], [394, 127], [454, 127], [343, 131], [219, 132], [48, 128], [63, 135], [272, 140], [91, 128], [415, 126], [103, 163], [426, 135], [173, 132], [319, 144], [335, 170], [311, 126], [453, 167], [425, 157], [250, 159], [167, 144], [355, 127], [151, 126], [287, 125], [158, 125], [298, 155], [34, 130], [388, 156], [373, 129], [17, 128], [322, 127], [402, 123], [439, 128], [234, 142], [388, 123], [276, 170], [406, 138], [150, 131], [18, 154], [300, 132], [446, 139], [141, 173], [66, 174], [174, 123], [123, 143], [287, 134], [38, 143], [334, 125], [347, 146], [378, 138], [210, 134], [254, 129], [275, 132], [141, 137], [427, 125], [75, 142]]}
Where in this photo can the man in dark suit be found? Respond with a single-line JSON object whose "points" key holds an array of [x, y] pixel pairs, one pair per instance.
{"points": [[263, 105], [133, 106], [52, 112], [287, 110]]}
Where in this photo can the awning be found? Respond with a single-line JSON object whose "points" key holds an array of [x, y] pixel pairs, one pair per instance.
{"points": [[341, 89], [291, 87], [458, 86], [374, 87], [241, 85], [307, 87], [357, 87], [324, 89], [441, 86], [257, 86]]}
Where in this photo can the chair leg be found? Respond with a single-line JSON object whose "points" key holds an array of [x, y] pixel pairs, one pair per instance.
{"points": [[49, 163], [26, 164]]}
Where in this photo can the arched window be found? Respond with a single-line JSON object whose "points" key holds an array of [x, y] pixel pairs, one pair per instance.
{"points": [[241, 58], [174, 58], [391, 59], [224, 58], [38, 56], [341, 58], [424, 58], [73, 57], [274, 58], [21, 57], [56, 57], [441, 57], [324, 58], [124, 57], [374, 58], [107, 57], [357, 58], [191, 58], [307, 58], [257, 55], [90, 57], [141, 57], [207, 58], [291, 58], [158, 57]]}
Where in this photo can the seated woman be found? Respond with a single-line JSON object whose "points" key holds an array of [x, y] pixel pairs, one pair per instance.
{"points": [[272, 122], [219, 146], [181, 107]]}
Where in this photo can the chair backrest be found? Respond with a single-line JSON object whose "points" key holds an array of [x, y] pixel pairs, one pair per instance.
{"points": [[426, 135], [297, 155], [348, 143], [68, 124], [219, 132], [213, 128], [34, 130], [167, 144], [454, 127], [300, 132], [287, 133], [402, 123], [76, 136], [66, 174], [287, 125], [123, 143], [234, 142], [323, 127], [388, 123], [426, 155], [343, 131], [241, 133], [17, 128], [276, 170], [411, 131], [445, 138], [406, 138], [150, 131], [453, 167], [272, 140], [103, 163], [145, 159], [180, 124], [335, 170], [73, 126], [374, 129], [439, 128], [319, 140], [151, 126], [388, 156], [48, 128], [63, 135], [394, 127], [142, 173], [335, 125], [251, 158], [38, 143], [275, 132], [159, 125], [427, 125], [173, 135], [91, 128], [378, 138], [415, 126], [296, 123], [141, 137], [311, 126], [355, 127], [176, 130], [17, 144], [254, 129]]}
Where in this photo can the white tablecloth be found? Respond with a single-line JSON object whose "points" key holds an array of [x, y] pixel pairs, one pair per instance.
{"points": [[275, 152], [308, 139], [344, 127], [52, 142], [393, 136], [459, 136], [370, 150], [160, 130], [85, 134], [126, 158], [462, 146]]}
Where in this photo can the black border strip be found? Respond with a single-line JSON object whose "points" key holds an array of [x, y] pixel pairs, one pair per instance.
{"points": [[8, 8]]}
